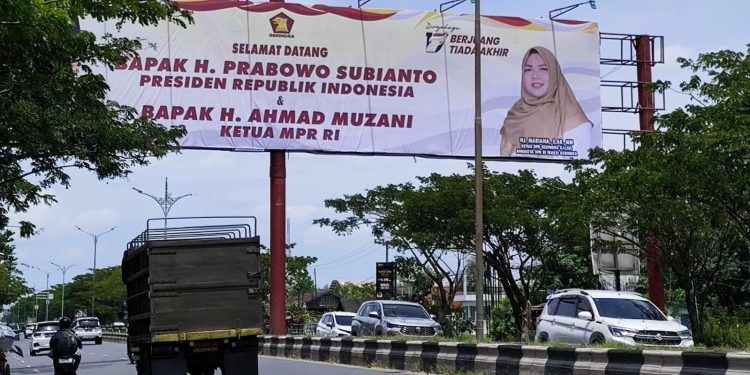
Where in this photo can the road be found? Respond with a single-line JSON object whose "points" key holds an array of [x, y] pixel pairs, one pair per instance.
{"points": [[111, 359]]}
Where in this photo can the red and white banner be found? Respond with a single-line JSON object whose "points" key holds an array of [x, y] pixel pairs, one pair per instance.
{"points": [[281, 76]]}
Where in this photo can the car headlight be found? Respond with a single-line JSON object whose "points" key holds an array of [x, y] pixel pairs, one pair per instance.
{"points": [[622, 332], [391, 325], [686, 334]]}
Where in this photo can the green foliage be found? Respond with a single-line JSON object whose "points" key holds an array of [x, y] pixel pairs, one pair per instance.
{"points": [[297, 277], [502, 327], [685, 190], [12, 285], [535, 232], [722, 329], [298, 314], [455, 325], [54, 118], [351, 290]]}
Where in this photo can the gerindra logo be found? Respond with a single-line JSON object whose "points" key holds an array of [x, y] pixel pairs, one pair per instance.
{"points": [[281, 25], [435, 41]]}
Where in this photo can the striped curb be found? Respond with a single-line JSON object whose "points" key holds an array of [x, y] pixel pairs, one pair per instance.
{"points": [[443, 357]]}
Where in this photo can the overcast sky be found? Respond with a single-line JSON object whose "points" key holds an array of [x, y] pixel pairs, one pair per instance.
{"points": [[226, 183]]}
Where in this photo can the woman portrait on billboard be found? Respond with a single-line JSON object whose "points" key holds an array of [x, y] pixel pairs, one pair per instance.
{"points": [[547, 107]]}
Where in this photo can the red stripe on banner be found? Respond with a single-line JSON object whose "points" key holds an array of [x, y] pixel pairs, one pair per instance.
{"points": [[272, 6], [351, 13], [513, 21], [210, 4], [571, 22], [355, 13]]}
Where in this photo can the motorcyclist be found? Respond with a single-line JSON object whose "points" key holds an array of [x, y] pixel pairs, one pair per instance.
{"points": [[64, 346]]}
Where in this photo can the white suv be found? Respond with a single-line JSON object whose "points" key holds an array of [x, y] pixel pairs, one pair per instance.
{"points": [[593, 316], [88, 329]]}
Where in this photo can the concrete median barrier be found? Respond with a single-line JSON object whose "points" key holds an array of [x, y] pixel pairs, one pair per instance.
{"points": [[449, 357]]}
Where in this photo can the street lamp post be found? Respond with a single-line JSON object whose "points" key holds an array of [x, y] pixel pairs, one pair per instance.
{"points": [[46, 302], [93, 285], [165, 203], [554, 13], [63, 269]]}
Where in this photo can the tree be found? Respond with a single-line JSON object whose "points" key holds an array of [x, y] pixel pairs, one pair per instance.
{"points": [[296, 273], [397, 216], [410, 272], [350, 290], [298, 277], [12, 284], [684, 190], [55, 118], [533, 235]]}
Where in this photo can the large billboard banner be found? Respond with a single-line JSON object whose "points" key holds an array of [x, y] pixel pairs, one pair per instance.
{"points": [[280, 76]]}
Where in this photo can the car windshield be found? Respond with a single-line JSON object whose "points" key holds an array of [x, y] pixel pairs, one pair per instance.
{"points": [[404, 311], [47, 328], [88, 323], [343, 320], [621, 308]]}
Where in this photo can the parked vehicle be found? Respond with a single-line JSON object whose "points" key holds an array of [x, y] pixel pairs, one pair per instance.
{"points": [[394, 318], [28, 330], [335, 324], [193, 294], [43, 332], [88, 329], [593, 316], [7, 337]]}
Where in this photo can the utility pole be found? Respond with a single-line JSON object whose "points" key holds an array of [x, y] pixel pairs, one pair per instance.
{"points": [[93, 284], [47, 301], [164, 203], [63, 269]]}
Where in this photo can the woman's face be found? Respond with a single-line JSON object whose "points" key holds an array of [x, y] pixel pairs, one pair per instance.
{"points": [[535, 77]]}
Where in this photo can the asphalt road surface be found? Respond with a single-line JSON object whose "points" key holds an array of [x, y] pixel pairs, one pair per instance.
{"points": [[112, 359]]}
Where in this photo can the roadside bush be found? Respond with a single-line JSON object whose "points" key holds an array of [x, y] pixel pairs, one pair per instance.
{"points": [[455, 325], [501, 326], [721, 329]]}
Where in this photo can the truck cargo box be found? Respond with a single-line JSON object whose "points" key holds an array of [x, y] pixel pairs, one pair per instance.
{"points": [[193, 280]]}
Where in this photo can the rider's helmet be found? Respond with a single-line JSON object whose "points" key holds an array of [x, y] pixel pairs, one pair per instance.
{"points": [[64, 322]]}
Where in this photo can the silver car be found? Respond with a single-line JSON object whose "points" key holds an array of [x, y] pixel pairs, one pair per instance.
{"points": [[394, 318]]}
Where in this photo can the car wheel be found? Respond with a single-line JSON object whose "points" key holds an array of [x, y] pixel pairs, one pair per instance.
{"points": [[98, 341], [7, 369], [543, 337], [354, 331], [378, 331], [32, 353], [597, 338]]}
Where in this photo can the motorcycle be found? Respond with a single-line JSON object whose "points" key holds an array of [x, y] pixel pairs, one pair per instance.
{"points": [[67, 365]]}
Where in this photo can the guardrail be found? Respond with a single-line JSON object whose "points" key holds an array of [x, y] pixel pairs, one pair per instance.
{"points": [[447, 357], [115, 334]]}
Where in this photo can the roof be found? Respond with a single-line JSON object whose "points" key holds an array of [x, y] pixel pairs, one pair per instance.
{"points": [[351, 304], [342, 313], [595, 293]]}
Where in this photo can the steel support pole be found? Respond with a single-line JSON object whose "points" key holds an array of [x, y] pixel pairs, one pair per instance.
{"points": [[646, 117], [278, 251], [478, 174]]}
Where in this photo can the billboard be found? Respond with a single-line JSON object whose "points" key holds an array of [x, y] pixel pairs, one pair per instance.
{"points": [[385, 280], [281, 76]]}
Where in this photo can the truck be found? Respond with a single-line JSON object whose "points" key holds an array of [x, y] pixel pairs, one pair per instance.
{"points": [[193, 296]]}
